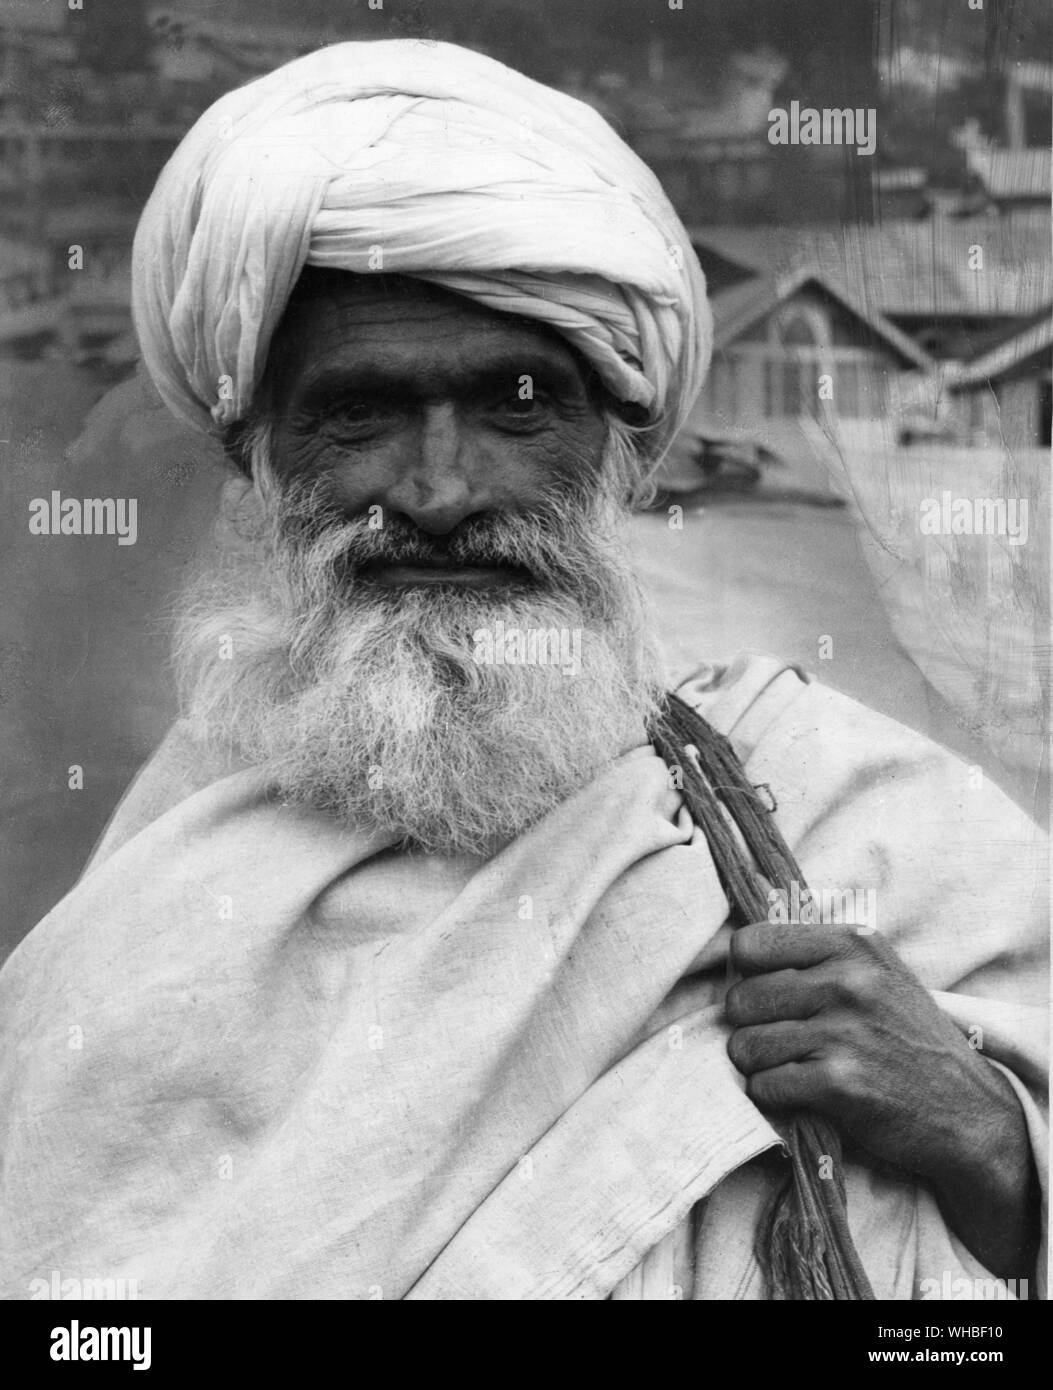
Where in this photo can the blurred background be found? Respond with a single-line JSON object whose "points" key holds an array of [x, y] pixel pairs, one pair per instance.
{"points": [[915, 282]]}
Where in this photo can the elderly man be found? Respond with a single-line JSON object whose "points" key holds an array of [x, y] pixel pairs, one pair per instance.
{"points": [[424, 958]]}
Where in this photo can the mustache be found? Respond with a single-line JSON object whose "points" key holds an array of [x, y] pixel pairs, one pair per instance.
{"points": [[477, 543], [552, 546]]}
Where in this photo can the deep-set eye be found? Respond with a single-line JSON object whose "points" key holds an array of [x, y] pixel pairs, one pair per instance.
{"points": [[515, 410], [357, 412], [358, 417]]}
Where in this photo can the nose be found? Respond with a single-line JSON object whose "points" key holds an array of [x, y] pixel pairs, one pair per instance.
{"points": [[436, 486]]}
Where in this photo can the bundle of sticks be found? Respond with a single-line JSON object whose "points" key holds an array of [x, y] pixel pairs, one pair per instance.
{"points": [[804, 1244]]}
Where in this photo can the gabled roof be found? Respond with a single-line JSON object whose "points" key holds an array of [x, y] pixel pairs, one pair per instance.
{"points": [[739, 307], [908, 268], [1003, 360]]}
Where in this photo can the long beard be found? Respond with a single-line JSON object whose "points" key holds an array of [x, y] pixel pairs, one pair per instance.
{"points": [[412, 710]]}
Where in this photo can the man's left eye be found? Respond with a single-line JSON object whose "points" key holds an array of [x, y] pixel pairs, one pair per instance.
{"points": [[519, 410], [357, 412]]}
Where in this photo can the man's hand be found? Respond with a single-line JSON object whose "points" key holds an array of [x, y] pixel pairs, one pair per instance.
{"points": [[828, 1020]]}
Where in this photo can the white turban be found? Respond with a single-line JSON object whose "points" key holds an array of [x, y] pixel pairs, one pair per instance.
{"points": [[421, 159]]}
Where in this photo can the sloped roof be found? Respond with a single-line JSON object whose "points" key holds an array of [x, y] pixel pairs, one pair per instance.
{"points": [[740, 306], [1003, 360], [908, 268]]}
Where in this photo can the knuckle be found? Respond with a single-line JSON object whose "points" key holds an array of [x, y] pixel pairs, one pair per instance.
{"points": [[743, 943], [852, 983], [831, 939], [796, 945], [839, 946], [759, 1090], [741, 1050], [840, 1076], [767, 1091], [872, 942], [736, 1003]]}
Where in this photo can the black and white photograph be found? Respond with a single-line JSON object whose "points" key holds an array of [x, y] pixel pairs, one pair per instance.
{"points": [[525, 659]]}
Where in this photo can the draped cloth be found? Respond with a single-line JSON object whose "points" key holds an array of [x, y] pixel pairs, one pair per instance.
{"points": [[420, 159], [256, 1054]]}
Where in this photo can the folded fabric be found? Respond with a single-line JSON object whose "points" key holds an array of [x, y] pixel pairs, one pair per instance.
{"points": [[255, 1054], [420, 159]]}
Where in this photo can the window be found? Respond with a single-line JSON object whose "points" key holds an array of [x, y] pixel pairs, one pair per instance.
{"points": [[784, 368], [723, 387], [793, 361], [849, 390]]}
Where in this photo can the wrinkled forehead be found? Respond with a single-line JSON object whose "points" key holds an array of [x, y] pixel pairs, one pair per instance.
{"points": [[341, 320]]}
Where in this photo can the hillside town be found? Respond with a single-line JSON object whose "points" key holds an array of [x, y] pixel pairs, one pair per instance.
{"points": [[931, 312], [924, 292]]}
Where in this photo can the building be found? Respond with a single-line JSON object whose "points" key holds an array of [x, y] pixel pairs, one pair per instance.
{"points": [[866, 337], [800, 344], [803, 369], [952, 285], [1005, 394], [28, 315]]}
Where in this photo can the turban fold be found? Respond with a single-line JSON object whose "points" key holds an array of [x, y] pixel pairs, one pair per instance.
{"points": [[421, 159]]}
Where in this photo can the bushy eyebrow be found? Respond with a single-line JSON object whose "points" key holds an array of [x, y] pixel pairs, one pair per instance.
{"points": [[500, 375]]}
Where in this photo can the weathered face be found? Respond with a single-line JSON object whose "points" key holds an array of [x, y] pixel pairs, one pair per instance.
{"points": [[366, 677], [436, 409]]}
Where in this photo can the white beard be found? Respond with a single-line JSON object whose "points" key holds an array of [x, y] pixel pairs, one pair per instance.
{"points": [[369, 703]]}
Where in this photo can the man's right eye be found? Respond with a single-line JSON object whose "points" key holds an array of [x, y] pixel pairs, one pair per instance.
{"points": [[357, 415], [355, 412]]}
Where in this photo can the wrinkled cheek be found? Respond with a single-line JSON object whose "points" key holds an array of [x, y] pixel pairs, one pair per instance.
{"points": [[567, 456], [310, 461]]}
